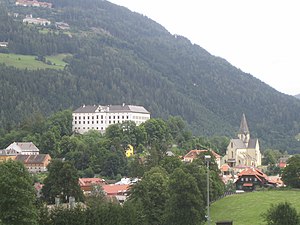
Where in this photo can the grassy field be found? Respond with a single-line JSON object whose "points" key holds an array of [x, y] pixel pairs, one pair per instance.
{"points": [[246, 209], [29, 62]]}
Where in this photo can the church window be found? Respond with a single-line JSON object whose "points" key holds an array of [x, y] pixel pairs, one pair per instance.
{"points": [[232, 154]]}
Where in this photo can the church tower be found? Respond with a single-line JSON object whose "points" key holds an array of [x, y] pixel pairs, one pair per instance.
{"points": [[244, 133]]}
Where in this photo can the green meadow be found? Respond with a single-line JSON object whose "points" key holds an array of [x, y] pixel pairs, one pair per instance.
{"points": [[29, 62], [247, 208]]}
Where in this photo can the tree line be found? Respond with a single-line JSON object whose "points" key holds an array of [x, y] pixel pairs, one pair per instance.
{"points": [[121, 56]]}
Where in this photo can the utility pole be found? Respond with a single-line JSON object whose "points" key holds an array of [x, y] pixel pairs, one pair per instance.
{"points": [[207, 160]]}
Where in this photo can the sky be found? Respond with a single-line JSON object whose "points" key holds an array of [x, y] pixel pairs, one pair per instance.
{"points": [[260, 37]]}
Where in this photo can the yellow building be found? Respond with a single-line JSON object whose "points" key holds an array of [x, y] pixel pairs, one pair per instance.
{"points": [[6, 154], [4, 158], [129, 151]]}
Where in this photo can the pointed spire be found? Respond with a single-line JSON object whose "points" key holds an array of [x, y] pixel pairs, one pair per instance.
{"points": [[244, 126]]}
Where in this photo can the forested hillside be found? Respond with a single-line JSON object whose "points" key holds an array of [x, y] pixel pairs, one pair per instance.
{"points": [[118, 56]]}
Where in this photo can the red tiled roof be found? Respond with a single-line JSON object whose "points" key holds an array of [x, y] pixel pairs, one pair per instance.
{"points": [[282, 165], [116, 189], [225, 168]]}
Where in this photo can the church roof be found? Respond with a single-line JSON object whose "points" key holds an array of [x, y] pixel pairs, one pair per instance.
{"points": [[244, 126], [240, 144]]}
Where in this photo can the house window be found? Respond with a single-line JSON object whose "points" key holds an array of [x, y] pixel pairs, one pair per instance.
{"points": [[122, 117], [79, 117], [88, 117], [114, 117], [101, 116], [75, 122], [92, 117], [232, 154], [75, 117], [127, 117], [231, 144], [79, 122], [246, 178], [97, 117], [242, 179], [109, 117]]}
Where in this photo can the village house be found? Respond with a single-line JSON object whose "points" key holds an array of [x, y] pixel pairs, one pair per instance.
{"points": [[3, 44], [62, 25], [23, 148], [251, 178], [36, 21], [118, 191], [243, 151], [35, 163], [87, 184], [34, 3], [193, 154]]}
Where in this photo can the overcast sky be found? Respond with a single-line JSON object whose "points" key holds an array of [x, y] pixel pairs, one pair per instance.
{"points": [[261, 37]]}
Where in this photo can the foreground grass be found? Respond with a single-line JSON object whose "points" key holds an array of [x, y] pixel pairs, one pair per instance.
{"points": [[29, 62], [246, 209]]}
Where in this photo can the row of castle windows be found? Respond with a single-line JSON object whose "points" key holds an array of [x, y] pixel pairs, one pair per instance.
{"points": [[97, 128], [97, 117]]}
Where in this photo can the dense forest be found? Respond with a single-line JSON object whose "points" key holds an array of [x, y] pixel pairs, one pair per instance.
{"points": [[119, 56]]}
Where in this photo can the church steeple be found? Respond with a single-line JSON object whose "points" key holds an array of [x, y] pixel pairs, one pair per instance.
{"points": [[244, 133]]}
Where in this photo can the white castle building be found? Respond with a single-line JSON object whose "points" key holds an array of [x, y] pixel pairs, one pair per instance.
{"points": [[97, 117]]}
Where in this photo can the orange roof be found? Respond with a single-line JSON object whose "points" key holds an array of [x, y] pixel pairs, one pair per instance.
{"points": [[115, 189], [225, 168], [253, 172], [282, 164], [194, 153]]}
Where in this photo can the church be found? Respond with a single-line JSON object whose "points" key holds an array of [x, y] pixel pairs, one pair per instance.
{"points": [[243, 151]]}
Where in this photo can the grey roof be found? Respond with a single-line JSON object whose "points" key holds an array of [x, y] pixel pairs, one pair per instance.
{"points": [[111, 108], [8, 152], [244, 126], [32, 159], [86, 109], [24, 146], [252, 143], [240, 144]]}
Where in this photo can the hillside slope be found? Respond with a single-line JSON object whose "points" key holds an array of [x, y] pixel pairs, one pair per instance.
{"points": [[120, 56]]}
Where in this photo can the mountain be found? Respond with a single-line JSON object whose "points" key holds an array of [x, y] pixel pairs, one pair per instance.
{"points": [[116, 56], [297, 96]]}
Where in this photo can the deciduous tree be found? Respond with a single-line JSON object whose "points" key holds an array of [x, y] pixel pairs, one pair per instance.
{"points": [[17, 195], [281, 214]]}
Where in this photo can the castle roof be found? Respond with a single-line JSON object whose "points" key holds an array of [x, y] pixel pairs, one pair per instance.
{"points": [[111, 109]]}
